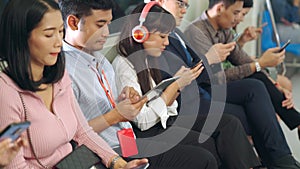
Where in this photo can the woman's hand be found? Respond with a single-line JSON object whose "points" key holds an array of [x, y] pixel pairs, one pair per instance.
{"points": [[8, 150], [187, 75]]}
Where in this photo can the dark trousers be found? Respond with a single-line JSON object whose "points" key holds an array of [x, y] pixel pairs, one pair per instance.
{"points": [[228, 142], [161, 154], [290, 116], [232, 109], [267, 134], [166, 153]]}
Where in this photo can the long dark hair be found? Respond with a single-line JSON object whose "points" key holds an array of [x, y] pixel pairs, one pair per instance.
{"points": [[158, 19], [19, 18]]}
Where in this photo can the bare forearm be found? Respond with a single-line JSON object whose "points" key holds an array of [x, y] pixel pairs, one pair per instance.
{"points": [[171, 93], [102, 122]]}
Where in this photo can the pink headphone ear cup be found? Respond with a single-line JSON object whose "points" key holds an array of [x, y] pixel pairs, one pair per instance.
{"points": [[140, 34]]}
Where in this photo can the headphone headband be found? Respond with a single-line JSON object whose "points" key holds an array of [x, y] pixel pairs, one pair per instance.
{"points": [[146, 10]]}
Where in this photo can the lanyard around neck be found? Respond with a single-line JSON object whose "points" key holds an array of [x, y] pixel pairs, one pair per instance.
{"points": [[108, 91]]}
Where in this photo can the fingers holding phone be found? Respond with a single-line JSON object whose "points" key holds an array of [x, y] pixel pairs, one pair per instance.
{"points": [[9, 146], [284, 46], [271, 57], [143, 166], [276, 55], [129, 93], [7, 152], [14, 130], [137, 164], [197, 69], [236, 37], [219, 52], [281, 51], [127, 110], [189, 74], [197, 65]]}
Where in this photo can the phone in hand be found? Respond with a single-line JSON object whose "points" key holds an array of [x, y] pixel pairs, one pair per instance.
{"points": [[143, 166], [196, 64], [284, 46], [14, 130], [236, 37]]}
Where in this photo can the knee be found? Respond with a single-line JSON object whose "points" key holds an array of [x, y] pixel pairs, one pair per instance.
{"points": [[260, 75], [230, 120], [256, 86], [209, 161], [198, 157]]}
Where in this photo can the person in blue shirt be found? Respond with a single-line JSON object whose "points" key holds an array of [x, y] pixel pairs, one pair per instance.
{"points": [[287, 18]]}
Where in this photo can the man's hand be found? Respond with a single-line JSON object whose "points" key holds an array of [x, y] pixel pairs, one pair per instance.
{"points": [[129, 93], [288, 102], [126, 110], [219, 52], [271, 57], [249, 34], [122, 164]]}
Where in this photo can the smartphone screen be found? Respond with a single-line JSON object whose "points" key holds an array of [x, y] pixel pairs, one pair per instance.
{"points": [[285, 45], [236, 37], [14, 130]]}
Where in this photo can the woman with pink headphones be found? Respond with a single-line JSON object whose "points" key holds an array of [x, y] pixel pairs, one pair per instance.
{"points": [[142, 41]]}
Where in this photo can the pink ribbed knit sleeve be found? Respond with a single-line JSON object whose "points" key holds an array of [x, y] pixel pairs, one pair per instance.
{"points": [[10, 111], [86, 135]]}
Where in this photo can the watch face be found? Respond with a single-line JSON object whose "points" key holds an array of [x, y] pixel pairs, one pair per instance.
{"points": [[257, 67]]}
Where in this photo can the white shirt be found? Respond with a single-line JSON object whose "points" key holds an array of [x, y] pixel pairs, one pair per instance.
{"points": [[156, 111]]}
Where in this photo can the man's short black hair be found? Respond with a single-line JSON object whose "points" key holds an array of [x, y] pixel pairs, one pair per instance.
{"points": [[81, 8], [248, 4], [227, 3]]}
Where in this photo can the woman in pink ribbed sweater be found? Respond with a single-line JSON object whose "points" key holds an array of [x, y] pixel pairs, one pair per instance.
{"points": [[31, 40]]}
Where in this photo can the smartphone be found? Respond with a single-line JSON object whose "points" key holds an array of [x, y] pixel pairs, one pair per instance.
{"points": [[196, 64], [285, 45], [264, 24], [127, 142], [144, 166], [236, 37], [14, 130]]}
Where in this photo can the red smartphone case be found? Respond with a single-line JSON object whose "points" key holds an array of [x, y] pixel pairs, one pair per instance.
{"points": [[127, 142]]}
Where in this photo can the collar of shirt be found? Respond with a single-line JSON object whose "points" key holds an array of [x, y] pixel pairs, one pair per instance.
{"points": [[217, 36], [180, 39], [87, 59]]}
